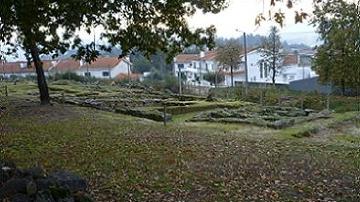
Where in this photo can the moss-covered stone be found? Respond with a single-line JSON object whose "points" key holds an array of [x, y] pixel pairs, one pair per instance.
{"points": [[148, 114]]}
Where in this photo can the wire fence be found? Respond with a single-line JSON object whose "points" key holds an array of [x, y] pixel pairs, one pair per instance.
{"points": [[282, 96], [4, 91]]}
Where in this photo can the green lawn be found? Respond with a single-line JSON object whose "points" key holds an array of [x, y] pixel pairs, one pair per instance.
{"points": [[132, 159]]}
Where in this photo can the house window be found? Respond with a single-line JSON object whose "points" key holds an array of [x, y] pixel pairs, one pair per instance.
{"points": [[181, 66], [261, 70], [87, 74], [106, 74], [266, 70]]}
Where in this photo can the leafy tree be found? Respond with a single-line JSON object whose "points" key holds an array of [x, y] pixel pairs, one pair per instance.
{"points": [[214, 77], [279, 16], [228, 55], [337, 61], [148, 26], [270, 52], [141, 64]]}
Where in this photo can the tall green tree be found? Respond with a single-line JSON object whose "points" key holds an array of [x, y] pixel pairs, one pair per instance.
{"points": [[50, 27], [229, 56], [337, 60], [270, 52]]}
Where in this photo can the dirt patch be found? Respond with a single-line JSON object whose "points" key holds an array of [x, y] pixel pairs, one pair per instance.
{"points": [[26, 109]]}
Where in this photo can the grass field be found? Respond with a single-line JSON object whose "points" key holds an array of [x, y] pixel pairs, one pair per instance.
{"points": [[126, 158]]}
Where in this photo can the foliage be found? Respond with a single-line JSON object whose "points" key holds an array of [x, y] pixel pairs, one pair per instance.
{"points": [[270, 53], [214, 77], [130, 159], [141, 64], [229, 56], [50, 27], [337, 60], [68, 76], [251, 40], [163, 82], [279, 15], [272, 95]]}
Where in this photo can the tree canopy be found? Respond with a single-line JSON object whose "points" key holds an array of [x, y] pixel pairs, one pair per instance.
{"points": [[337, 61], [51, 26], [228, 56], [270, 52]]}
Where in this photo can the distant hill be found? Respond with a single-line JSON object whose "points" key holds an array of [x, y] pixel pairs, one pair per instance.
{"points": [[114, 53]]}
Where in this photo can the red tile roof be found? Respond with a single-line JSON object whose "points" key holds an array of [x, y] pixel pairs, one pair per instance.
{"points": [[210, 55], [103, 63], [67, 65], [183, 58], [21, 67], [290, 60]]}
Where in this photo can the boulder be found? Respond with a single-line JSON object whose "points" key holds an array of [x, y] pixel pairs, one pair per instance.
{"points": [[7, 171], [20, 198], [69, 180], [35, 172], [45, 183], [283, 123], [14, 186], [82, 197], [44, 196]]}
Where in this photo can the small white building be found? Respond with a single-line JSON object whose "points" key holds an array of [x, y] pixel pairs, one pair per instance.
{"points": [[195, 66], [102, 68], [295, 66]]}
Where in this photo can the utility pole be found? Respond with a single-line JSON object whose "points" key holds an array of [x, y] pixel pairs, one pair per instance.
{"points": [[129, 77], [246, 66], [180, 83]]}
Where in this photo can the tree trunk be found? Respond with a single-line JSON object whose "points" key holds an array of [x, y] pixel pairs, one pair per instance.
{"points": [[232, 76], [274, 69], [42, 85], [273, 77], [216, 79], [342, 87]]}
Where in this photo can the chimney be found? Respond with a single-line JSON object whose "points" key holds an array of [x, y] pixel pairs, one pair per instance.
{"points": [[81, 62], [202, 54]]}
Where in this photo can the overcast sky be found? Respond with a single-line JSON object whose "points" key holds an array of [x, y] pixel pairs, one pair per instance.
{"points": [[241, 15]]}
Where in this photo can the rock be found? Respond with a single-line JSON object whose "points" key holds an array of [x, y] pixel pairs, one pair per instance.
{"points": [[31, 188], [82, 197], [7, 171], [60, 192], [13, 186], [69, 180], [45, 184], [35, 172], [44, 197], [69, 199], [33, 185], [283, 123], [20, 198], [309, 111], [148, 114]]}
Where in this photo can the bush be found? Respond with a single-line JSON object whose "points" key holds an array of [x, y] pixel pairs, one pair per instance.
{"points": [[168, 83], [68, 76]]}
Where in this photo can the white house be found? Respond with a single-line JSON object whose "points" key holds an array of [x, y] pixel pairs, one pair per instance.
{"points": [[195, 66], [295, 66], [102, 68], [106, 68], [23, 69]]}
